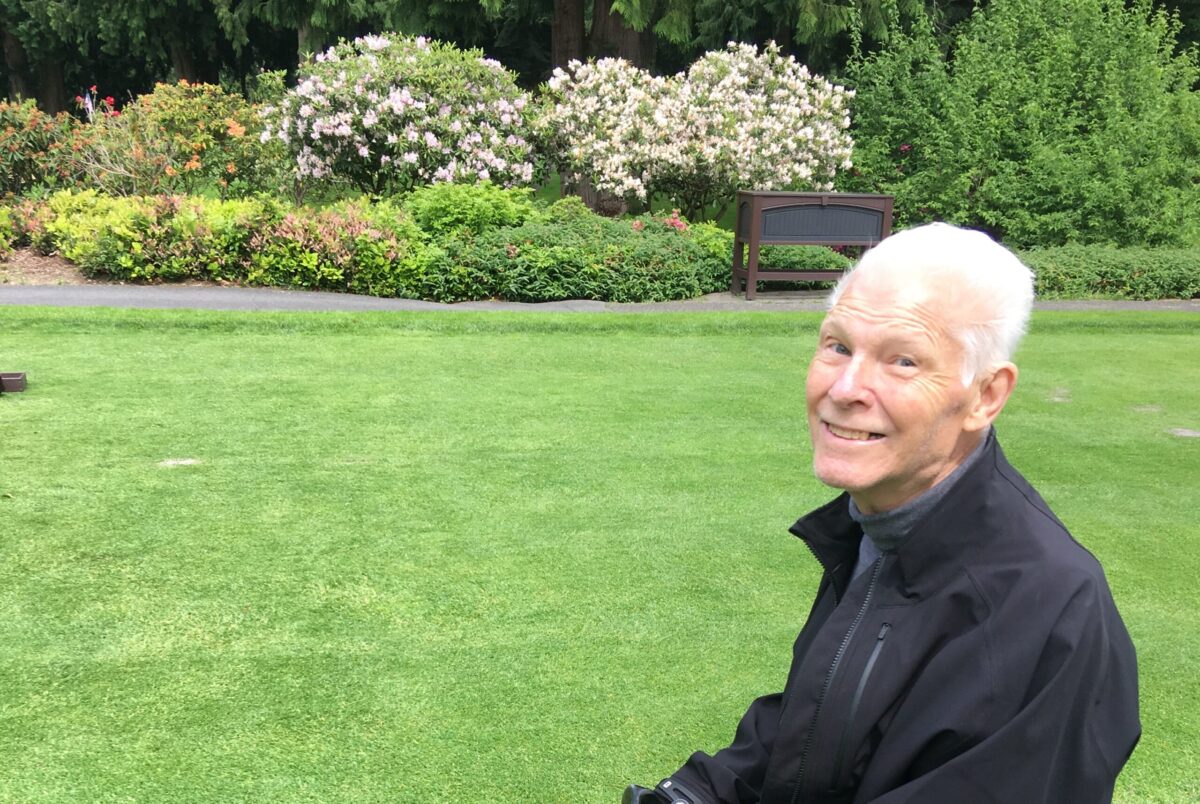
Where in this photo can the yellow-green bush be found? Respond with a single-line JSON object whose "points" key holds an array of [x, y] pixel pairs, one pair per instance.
{"points": [[81, 225], [6, 232], [444, 209], [353, 246]]}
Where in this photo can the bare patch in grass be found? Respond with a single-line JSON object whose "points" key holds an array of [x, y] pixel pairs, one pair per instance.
{"points": [[1059, 395], [1147, 409], [1183, 432], [178, 462]]}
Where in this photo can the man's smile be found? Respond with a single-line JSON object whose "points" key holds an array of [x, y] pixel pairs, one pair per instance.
{"points": [[852, 435]]}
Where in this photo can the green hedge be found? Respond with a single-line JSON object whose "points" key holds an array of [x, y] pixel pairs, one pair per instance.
{"points": [[570, 253], [560, 252], [563, 251], [1118, 273]]}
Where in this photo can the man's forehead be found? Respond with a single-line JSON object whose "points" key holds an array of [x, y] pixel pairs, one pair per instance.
{"points": [[896, 302], [884, 293], [905, 283]]}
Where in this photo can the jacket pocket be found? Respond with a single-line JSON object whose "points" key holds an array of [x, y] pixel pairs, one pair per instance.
{"points": [[839, 762]]}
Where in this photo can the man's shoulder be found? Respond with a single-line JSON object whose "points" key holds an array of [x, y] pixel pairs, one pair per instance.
{"points": [[1025, 514], [1019, 496], [1027, 546]]}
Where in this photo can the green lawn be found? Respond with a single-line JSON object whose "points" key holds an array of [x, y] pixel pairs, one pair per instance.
{"points": [[488, 557]]}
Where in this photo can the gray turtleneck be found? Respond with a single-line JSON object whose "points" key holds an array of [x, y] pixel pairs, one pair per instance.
{"points": [[886, 530]]}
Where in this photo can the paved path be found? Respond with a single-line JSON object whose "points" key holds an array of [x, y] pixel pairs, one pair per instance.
{"points": [[233, 298]]}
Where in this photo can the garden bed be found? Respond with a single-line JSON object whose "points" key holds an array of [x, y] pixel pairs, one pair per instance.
{"points": [[24, 266]]}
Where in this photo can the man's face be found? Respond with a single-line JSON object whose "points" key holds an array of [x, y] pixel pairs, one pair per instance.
{"points": [[887, 410]]}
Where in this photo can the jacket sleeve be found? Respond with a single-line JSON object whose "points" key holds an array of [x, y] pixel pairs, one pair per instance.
{"points": [[734, 775], [1070, 734]]}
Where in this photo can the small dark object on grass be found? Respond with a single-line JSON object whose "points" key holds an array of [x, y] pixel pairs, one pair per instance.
{"points": [[12, 381]]}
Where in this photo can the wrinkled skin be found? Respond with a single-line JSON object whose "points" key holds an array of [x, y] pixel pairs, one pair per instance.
{"points": [[888, 413]]}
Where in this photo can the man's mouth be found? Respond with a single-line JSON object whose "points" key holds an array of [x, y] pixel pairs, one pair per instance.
{"points": [[852, 435]]}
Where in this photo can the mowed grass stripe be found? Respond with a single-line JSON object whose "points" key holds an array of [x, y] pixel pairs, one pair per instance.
{"points": [[485, 557]]}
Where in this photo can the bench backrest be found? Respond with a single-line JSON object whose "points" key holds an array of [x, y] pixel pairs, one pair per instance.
{"points": [[832, 219]]}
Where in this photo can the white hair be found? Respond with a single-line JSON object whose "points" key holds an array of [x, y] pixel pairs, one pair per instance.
{"points": [[978, 277]]}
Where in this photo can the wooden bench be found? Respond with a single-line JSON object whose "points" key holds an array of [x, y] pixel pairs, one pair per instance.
{"points": [[802, 219]]}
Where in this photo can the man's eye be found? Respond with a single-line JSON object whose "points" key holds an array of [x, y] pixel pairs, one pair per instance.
{"points": [[840, 348], [905, 362]]}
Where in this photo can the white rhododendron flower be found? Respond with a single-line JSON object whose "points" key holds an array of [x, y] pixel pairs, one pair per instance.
{"points": [[389, 113], [736, 119]]}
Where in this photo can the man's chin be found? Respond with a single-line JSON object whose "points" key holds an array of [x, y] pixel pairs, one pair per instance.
{"points": [[840, 477]]}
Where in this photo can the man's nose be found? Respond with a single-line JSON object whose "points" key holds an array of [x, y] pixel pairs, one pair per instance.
{"points": [[852, 384]]}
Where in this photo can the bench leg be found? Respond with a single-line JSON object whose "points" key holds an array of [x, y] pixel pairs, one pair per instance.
{"points": [[735, 283], [752, 270]]}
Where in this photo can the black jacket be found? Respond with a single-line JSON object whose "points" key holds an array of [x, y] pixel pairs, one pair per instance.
{"points": [[981, 661]]}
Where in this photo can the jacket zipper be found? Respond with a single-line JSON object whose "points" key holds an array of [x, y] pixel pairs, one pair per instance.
{"points": [[816, 555], [843, 744], [833, 668]]}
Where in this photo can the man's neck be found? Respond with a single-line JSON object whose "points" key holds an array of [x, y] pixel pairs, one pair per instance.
{"points": [[888, 528]]}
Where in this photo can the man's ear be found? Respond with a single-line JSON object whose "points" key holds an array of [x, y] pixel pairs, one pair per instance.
{"points": [[993, 392]]}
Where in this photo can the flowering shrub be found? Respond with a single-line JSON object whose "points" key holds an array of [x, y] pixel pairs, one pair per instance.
{"points": [[29, 218], [389, 113], [736, 119], [36, 149], [755, 121], [607, 121], [177, 138]]}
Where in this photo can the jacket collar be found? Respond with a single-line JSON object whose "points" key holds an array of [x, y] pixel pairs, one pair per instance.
{"points": [[934, 548]]}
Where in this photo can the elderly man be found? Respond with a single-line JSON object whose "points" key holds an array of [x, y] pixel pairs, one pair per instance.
{"points": [[962, 648]]}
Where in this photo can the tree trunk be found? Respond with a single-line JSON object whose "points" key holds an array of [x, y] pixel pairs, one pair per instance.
{"points": [[17, 64], [182, 62], [566, 32], [612, 36], [600, 202], [783, 35], [52, 88], [309, 42]]}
